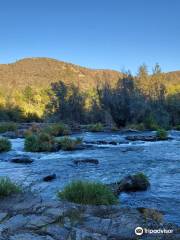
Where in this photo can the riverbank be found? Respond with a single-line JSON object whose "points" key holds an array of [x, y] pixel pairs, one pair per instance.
{"points": [[27, 216]]}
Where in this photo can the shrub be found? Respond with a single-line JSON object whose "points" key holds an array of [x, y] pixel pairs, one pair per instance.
{"points": [[5, 145], [8, 126], [41, 142], [58, 129], [98, 127], [7, 187], [84, 192], [68, 144], [161, 134]]}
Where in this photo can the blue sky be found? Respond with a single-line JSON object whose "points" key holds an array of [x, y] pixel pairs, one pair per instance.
{"points": [[115, 34]]}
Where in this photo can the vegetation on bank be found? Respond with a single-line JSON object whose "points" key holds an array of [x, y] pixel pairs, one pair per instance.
{"points": [[8, 126], [144, 101], [161, 134], [5, 145], [68, 144], [97, 127], [7, 187], [58, 129], [84, 192]]}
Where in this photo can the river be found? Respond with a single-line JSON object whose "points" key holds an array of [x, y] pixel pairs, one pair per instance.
{"points": [[160, 161]]}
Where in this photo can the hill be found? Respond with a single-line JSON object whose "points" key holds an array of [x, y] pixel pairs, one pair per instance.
{"points": [[40, 72]]}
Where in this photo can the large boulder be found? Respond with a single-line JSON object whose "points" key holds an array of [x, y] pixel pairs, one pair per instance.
{"points": [[21, 159], [131, 183]]}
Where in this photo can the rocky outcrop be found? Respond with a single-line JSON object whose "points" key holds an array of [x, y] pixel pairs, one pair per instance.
{"points": [[27, 217]]}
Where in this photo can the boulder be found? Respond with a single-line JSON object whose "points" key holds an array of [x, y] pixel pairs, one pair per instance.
{"points": [[21, 159], [87, 160], [131, 183], [49, 178]]}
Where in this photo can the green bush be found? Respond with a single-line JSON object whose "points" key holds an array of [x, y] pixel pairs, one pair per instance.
{"points": [[68, 144], [9, 126], [161, 134], [41, 142], [7, 187], [5, 145], [97, 127], [58, 129], [84, 192]]}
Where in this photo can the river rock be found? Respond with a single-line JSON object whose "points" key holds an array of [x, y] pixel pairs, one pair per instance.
{"points": [[49, 178], [21, 159], [130, 183], [150, 138], [88, 160]]}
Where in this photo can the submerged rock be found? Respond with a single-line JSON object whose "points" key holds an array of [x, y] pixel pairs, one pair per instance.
{"points": [[21, 159], [49, 178], [87, 160]]}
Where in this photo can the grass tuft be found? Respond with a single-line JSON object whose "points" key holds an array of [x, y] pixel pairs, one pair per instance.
{"points": [[84, 192]]}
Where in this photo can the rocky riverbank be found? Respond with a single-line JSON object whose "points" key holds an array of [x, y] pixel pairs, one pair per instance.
{"points": [[28, 217]]}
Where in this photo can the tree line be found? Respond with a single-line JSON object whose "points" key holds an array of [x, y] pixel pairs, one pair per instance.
{"points": [[143, 100]]}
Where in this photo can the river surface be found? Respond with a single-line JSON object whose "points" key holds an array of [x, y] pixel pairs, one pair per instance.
{"points": [[160, 161]]}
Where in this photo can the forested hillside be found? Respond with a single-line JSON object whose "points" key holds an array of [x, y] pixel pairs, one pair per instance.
{"points": [[29, 86]]}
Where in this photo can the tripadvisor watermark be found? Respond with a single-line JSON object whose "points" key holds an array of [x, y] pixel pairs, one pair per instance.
{"points": [[140, 231]]}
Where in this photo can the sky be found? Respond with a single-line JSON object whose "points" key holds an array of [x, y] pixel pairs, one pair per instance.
{"points": [[112, 34]]}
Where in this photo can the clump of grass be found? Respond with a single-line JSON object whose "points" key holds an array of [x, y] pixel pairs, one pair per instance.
{"points": [[68, 144], [5, 145], [161, 134], [7, 126], [97, 127], [7, 187], [141, 177], [58, 129], [84, 192], [41, 142]]}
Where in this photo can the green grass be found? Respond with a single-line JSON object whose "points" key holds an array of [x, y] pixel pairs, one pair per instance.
{"points": [[5, 145], [41, 142], [7, 187], [58, 129], [97, 127], [84, 192], [141, 176], [7, 126], [161, 134], [68, 144]]}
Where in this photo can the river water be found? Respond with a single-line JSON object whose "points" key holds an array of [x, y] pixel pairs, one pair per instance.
{"points": [[160, 161]]}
